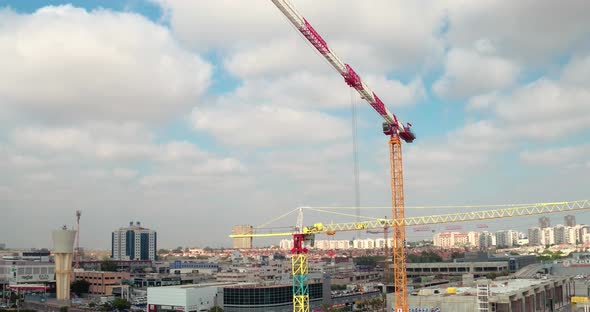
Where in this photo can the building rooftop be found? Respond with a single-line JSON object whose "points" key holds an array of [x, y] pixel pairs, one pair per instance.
{"points": [[503, 287]]}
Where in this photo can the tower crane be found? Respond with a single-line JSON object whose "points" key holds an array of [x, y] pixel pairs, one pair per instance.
{"points": [[306, 234], [392, 127]]}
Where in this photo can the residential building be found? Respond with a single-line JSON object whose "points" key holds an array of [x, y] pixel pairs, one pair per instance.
{"points": [[286, 244], [473, 238], [535, 236], [243, 242], [548, 236], [450, 239], [134, 243], [101, 282], [367, 243], [569, 220], [559, 233], [487, 240], [544, 222], [571, 235], [507, 238]]}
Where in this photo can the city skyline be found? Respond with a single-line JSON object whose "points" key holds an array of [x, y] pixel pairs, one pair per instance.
{"points": [[195, 122]]}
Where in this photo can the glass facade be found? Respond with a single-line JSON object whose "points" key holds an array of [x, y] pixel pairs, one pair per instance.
{"points": [[145, 246], [259, 296], [130, 246]]}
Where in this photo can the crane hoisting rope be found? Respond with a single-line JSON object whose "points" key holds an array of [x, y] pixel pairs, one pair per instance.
{"points": [[357, 187]]}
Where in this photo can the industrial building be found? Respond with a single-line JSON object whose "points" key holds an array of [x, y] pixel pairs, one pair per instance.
{"points": [[522, 295], [134, 243]]}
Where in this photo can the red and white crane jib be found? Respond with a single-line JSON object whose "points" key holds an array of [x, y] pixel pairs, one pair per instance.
{"points": [[391, 126]]}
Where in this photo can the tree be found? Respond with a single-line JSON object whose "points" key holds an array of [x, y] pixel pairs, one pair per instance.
{"points": [[177, 250], [80, 287], [108, 265], [163, 251], [63, 309], [424, 257], [338, 287], [216, 309], [457, 255], [121, 304]]}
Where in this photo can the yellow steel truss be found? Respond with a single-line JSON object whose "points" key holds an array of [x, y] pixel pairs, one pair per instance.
{"points": [[535, 209]]}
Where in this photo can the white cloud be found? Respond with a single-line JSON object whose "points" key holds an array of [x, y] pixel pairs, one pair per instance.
{"points": [[528, 31], [545, 109], [378, 34], [309, 91], [65, 63], [268, 125], [469, 72], [569, 155]]}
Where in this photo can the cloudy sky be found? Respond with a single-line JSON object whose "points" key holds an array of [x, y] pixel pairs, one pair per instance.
{"points": [[191, 116]]}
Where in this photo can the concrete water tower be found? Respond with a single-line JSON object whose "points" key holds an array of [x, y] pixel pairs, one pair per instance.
{"points": [[63, 250]]}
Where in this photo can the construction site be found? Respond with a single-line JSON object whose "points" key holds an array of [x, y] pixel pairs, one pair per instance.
{"points": [[474, 295], [187, 167]]}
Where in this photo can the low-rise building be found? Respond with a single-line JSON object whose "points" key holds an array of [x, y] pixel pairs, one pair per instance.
{"points": [[103, 283], [27, 272], [502, 296], [181, 267], [231, 297], [478, 269], [186, 298]]}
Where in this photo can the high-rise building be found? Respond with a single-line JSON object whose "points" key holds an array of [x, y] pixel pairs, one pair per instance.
{"points": [[559, 234], [486, 240], [548, 237], [507, 238], [134, 243], [535, 236], [544, 222], [569, 220], [243, 242]]}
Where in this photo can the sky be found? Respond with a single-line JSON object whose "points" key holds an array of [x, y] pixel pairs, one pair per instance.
{"points": [[193, 116]]}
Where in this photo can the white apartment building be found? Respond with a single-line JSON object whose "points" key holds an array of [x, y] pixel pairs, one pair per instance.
{"points": [[450, 239]]}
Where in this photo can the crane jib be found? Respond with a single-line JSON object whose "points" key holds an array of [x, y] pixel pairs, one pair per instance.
{"points": [[353, 80]]}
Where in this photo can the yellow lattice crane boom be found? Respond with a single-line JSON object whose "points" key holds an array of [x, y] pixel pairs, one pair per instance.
{"points": [[520, 211], [301, 235]]}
